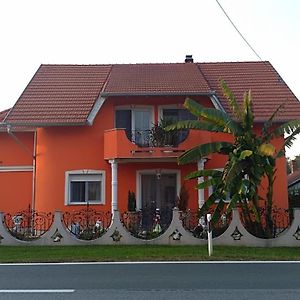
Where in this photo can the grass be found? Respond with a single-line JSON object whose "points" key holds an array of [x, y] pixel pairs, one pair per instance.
{"points": [[23, 254]]}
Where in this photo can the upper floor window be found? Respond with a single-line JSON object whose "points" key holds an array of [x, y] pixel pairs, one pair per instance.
{"points": [[84, 186], [177, 114], [137, 123], [174, 115]]}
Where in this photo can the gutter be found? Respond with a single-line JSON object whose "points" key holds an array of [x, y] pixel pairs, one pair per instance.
{"points": [[128, 94]]}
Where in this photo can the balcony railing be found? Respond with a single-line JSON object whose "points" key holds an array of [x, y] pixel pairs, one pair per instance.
{"points": [[157, 137], [127, 144]]}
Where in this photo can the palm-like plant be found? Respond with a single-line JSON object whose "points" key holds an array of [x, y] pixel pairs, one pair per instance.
{"points": [[251, 156]]}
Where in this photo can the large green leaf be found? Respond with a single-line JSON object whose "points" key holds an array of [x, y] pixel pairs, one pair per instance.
{"points": [[288, 142], [211, 200], [214, 116], [218, 211], [232, 100], [248, 117], [286, 128], [233, 202], [204, 173], [209, 182], [195, 124], [266, 135], [203, 150], [234, 171]]}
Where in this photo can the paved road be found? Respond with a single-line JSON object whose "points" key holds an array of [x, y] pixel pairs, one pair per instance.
{"points": [[151, 281]]}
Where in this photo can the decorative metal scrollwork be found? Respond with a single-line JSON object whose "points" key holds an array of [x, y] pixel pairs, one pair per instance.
{"points": [[197, 225], [28, 225], [263, 223], [148, 223], [87, 224]]}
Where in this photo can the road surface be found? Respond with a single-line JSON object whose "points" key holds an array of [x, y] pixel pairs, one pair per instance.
{"points": [[232, 280]]}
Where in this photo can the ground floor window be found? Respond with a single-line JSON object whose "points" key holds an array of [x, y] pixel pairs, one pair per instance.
{"points": [[84, 186]]}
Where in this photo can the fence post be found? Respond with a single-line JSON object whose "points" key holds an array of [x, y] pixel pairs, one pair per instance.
{"points": [[209, 235]]}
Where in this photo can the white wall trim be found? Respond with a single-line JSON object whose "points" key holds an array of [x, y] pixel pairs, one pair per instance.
{"points": [[216, 102], [16, 169], [94, 111]]}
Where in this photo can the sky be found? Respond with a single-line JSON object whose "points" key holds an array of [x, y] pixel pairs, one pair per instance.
{"points": [[35, 32]]}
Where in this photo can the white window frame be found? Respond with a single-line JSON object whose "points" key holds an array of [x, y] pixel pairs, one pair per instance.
{"points": [[84, 175], [168, 106], [137, 108]]}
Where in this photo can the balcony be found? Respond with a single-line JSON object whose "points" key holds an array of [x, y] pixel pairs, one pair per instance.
{"points": [[136, 145]]}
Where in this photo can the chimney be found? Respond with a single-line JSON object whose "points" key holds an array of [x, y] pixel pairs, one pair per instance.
{"points": [[294, 166], [189, 59]]}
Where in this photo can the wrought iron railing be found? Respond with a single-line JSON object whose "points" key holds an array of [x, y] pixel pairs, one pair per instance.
{"points": [[197, 225], [263, 226], [87, 223], [28, 225], [151, 138], [147, 223]]}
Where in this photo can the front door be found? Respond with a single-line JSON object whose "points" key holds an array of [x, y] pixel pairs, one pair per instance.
{"points": [[158, 195]]}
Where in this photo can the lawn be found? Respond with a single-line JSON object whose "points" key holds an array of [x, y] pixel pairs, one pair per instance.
{"points": [[23, 254]]}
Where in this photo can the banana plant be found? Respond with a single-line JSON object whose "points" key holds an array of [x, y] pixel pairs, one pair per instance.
{"points": [[251, 155]]}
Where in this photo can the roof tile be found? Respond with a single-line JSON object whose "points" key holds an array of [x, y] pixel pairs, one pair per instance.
{"points": [[60, 94], [158, 79], [65, 94], [267, 87]]}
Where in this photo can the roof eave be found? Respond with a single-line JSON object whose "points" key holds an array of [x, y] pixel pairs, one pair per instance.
{"points": [[216, 102], [127, 94], [95, 109], [46, 124]]}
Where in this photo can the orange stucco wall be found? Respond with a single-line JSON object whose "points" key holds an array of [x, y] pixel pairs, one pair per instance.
{"points": [[61, 149], [15, 183], [16, 191]]}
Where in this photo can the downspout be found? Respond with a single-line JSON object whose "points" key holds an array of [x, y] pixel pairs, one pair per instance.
{"points": [[34, 170]]}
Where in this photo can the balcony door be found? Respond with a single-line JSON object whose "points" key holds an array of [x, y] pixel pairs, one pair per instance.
{"points": [[137, 123]]}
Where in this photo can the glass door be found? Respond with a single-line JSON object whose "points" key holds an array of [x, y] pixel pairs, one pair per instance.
{"points": [[141, 123], [158, 196]]}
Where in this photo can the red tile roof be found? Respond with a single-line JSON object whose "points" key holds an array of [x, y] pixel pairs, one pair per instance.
{"points": [[3, 114], [267, 87], [65, 94], [3, 126], [293, 178], [60, 94], [156, 79]]}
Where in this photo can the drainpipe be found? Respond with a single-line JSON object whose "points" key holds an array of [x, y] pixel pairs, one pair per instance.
{"points": [[34, 170]]}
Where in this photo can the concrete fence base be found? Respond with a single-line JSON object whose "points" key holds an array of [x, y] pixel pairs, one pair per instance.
{"points": [[117, 234]]}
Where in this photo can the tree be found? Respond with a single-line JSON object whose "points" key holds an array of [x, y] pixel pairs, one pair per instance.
{"points": [[251, 156]]}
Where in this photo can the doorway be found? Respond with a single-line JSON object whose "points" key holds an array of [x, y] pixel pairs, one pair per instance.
{"points": [[157, 196]]}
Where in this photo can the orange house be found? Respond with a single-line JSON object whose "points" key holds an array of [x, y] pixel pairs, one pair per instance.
{"points": [[83, 134]]}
